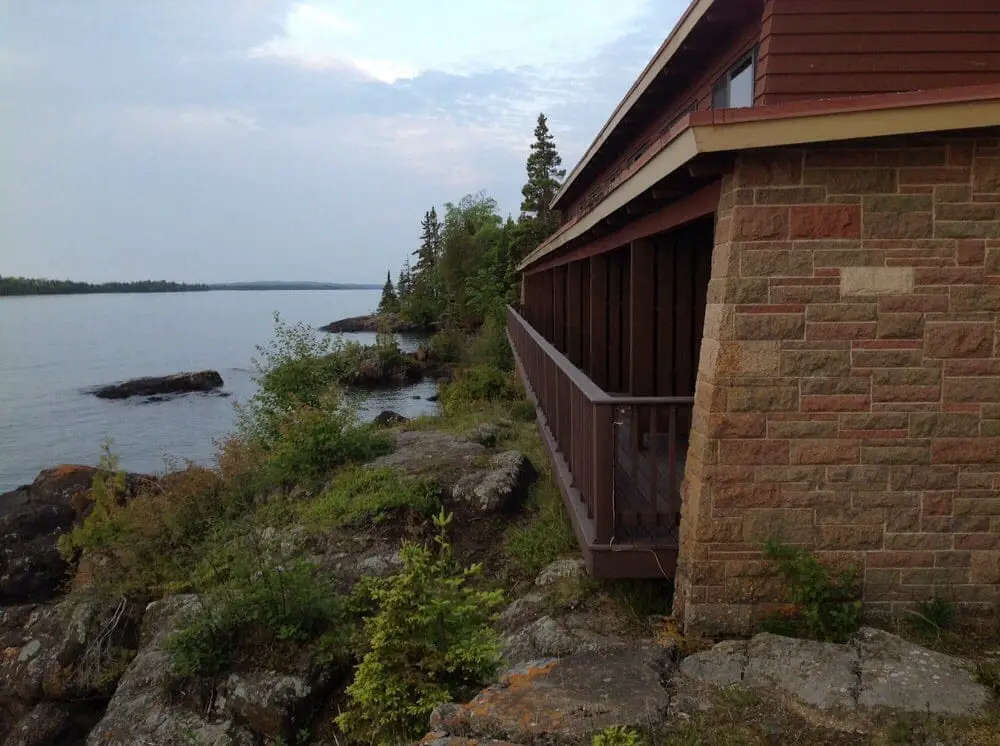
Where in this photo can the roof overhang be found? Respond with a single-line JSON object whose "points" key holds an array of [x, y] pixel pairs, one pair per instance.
{"points": [[695, 12], [797, 123]]}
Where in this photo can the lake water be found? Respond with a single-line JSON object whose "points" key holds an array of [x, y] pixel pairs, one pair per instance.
{"points": [[52, 348]]}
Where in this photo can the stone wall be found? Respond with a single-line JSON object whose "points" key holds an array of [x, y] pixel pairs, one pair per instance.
{"points": [[849, 386]]}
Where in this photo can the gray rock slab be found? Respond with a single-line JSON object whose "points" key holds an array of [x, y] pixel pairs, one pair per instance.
{"points": [[565, 700], [820, 674], [723, 665], [900, 675]]}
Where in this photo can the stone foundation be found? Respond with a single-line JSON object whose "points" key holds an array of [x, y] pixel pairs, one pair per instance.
{"points": [[848, 397]]}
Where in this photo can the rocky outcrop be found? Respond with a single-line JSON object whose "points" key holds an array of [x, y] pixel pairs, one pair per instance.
{"points": [[471, 476], [388, 418], [59, 665], [876, 672], [372, 323], [178, 383], [31, 520], [565, 700], [143, 709]]}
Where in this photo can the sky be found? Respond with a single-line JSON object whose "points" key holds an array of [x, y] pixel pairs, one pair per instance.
{"points": [[234, 140]]}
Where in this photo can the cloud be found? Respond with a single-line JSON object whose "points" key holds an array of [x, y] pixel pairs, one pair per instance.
{"points": [[168, 122], [312, 37]]}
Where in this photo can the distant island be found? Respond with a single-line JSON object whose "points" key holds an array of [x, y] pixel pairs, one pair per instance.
{"points": [[32, 286]]}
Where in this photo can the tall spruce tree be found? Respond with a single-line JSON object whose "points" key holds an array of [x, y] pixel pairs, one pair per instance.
{"points": [[544, 178], [430, 243], [389, 302], [403, 284]]}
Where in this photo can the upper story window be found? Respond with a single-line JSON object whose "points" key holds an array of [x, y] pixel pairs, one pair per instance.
{"points": [[735, 89]]}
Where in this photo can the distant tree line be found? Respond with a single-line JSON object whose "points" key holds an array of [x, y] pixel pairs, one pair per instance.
{"points": [[30, 286], [463, 274]]}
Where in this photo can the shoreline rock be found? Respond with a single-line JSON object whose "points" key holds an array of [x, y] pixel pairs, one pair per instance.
{"points": [[155, 386], [371, 322]]}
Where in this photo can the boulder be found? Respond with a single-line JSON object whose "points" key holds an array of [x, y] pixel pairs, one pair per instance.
{"points": [[32, 518], [272, 704], [565, 700], [500, 487], [54, 724], [570, 569], [142, 709], [74, 651], [178, 383], [388, 418], [877, 671]]}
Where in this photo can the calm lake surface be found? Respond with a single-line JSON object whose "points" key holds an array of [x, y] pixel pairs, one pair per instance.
{"points": [[54, 347]]}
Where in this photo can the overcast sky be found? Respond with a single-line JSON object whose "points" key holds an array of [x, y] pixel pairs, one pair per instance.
{"points": [[211, 140]]}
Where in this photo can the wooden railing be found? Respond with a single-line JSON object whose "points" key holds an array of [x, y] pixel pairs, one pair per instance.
{"points": [[624, 454]]}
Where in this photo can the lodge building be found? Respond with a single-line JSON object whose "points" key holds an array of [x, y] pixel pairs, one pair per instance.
{"points": [[772, 309]]}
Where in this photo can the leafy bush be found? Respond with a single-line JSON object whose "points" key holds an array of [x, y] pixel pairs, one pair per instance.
{"points": [[446, 346], [370, 494], [523, 410], [315, 440], [825, 606], [478, 383], [491, 347], [430, 638], [252, 600], [617, 735], [296, 368]]}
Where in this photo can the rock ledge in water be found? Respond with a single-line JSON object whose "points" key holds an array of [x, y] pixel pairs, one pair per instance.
{"points": [[178, 383], [371, 323]]}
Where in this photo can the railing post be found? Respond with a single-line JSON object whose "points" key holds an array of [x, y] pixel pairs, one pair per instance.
{"points": [[603, 464]]}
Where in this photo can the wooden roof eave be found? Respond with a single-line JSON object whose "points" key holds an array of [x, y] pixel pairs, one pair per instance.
{"points": [[800, 123]]}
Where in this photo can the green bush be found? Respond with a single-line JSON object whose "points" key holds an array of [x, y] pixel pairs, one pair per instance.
{"points": [[478, 383], [314, 441], [363, 494], [250, 600], [430, 638], [825, 606], [446, 346], [933, 616], [491, 347], [617, 735]]}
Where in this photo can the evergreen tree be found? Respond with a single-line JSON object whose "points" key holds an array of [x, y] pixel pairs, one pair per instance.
{"points": [[430, 243], [403, 284], [389, 302], [544, 178]]}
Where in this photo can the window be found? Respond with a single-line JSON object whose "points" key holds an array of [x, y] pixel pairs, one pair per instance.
{"points": [[735, 89]]}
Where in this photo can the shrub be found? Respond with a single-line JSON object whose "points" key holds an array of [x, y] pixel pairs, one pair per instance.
{"points": [[297, 368], [430, 638], [446, 346], [315, 440], [370, 494], [478, 383], [616, 735], [251, 600], [825, 606], [491, 347]]}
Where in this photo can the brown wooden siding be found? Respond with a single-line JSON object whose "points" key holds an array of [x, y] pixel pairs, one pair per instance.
{"points": [[697, 96], [823, 48]]}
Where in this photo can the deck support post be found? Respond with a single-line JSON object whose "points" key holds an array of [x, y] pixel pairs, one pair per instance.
{"points": [[603, 464]]}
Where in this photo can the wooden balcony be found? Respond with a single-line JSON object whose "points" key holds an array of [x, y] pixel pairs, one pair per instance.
{"points": [[619, 460]]}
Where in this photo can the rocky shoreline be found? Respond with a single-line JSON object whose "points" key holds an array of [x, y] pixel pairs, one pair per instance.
{"points": [[373, 323]]}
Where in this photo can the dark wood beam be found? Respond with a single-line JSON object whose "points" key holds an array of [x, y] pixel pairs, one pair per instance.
{"points": [[711, 165]]}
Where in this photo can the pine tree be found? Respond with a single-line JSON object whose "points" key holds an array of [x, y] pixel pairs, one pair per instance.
{"points": [[430, 243], [544, 177], [389, 302], [403, 284]]}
